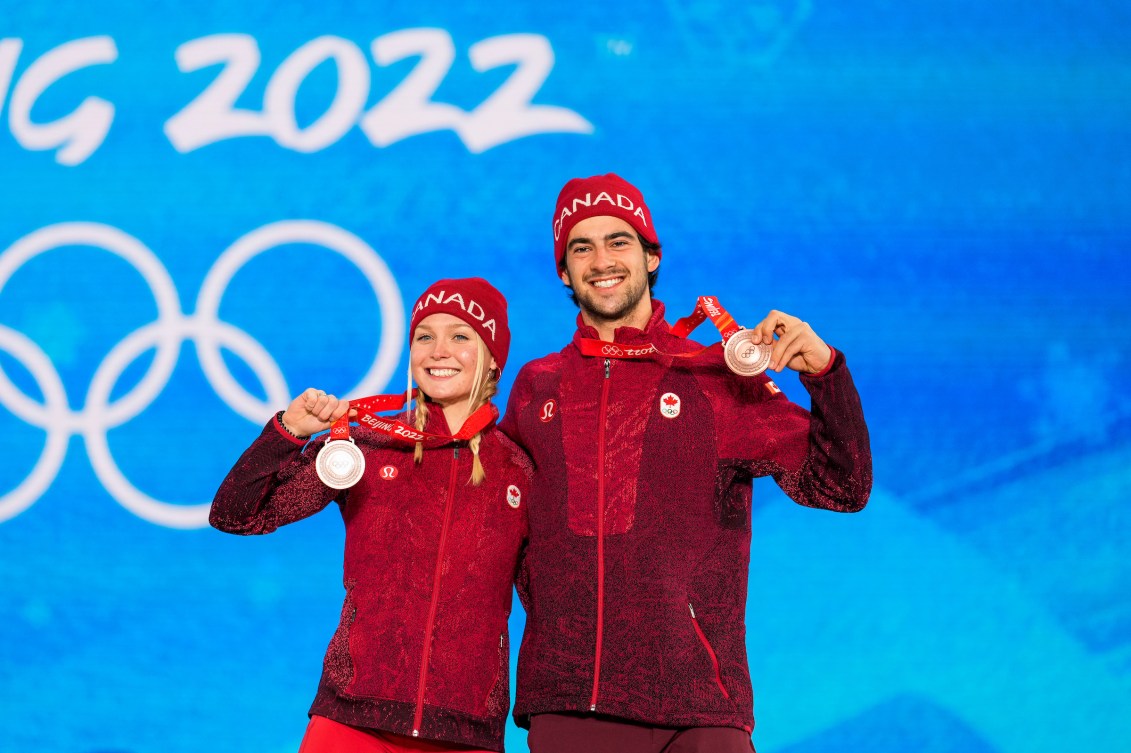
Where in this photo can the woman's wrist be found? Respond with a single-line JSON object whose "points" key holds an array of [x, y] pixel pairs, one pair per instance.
{"points": [[289, 430]]}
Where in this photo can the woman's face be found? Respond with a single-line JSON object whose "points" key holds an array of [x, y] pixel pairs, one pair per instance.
{"points": [[444, 356]]}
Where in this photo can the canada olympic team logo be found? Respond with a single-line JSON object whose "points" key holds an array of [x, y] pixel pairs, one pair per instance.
{"points": [[164, 336]]}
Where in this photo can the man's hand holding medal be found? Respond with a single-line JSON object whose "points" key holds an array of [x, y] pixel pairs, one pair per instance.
{"points": [[796, 345]]}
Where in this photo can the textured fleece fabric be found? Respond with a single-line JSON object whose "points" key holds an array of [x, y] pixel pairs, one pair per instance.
{"points": [[635, 574], [428, 571]]}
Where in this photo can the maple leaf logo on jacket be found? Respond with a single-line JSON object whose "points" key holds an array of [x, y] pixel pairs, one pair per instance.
{"points": [[669, 405]]}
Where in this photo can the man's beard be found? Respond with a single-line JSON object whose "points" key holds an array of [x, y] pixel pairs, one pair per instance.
{"points": [[611, 310]]}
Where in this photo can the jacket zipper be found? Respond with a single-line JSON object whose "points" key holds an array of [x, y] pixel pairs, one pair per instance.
{"points": [[710, 651], [600, 535], [417, 719]]}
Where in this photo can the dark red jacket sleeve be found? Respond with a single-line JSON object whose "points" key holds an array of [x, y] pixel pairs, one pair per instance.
{"points": [[821, 457], [273, 483], [518, 398], [509, 425]]}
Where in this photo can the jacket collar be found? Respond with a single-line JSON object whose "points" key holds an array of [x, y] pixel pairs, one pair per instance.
{"points": [[436, 423], [655, 327], [657, 332]]}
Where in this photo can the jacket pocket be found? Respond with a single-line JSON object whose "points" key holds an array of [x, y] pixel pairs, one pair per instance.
{"points": [[710, 651], [498, 699]]}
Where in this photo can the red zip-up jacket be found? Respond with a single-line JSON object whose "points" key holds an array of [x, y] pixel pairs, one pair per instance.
{"points": [[635, 574], [430, 560]]}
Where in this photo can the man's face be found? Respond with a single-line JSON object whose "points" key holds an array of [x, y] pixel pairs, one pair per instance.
{"points": [[607, 269]]}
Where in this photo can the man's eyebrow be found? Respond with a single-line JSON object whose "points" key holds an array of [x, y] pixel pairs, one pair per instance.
{"points": [[609, 237]]}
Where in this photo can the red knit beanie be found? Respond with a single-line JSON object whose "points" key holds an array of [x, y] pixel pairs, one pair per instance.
{"points": [[607, 194], [474, 301]]}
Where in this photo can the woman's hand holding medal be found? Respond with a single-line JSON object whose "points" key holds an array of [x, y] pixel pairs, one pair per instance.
{"points": [[797, 346], [313, 411]]}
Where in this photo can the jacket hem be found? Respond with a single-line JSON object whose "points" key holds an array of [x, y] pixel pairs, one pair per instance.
{"points": [[438, 723], [523, 712]]}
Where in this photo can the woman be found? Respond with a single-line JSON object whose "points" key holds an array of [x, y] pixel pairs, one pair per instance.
{"points": [[434, 526]]}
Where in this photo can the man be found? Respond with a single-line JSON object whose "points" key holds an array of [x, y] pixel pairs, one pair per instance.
{"points": [[635, 574]]}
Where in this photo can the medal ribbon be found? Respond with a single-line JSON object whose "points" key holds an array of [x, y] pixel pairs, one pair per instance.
{"points": [[706, 307], [368, 407]]}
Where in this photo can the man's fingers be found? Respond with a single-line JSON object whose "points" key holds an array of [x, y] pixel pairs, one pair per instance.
{"points": [[776, 323], [790, 337], [787, 346], [765, 328]]}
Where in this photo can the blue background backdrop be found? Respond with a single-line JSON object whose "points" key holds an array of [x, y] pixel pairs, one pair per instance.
{"points": [[940, 188]]}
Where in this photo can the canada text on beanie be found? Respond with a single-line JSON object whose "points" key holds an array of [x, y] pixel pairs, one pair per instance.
{"points": [[609, 194], [475, 301]]}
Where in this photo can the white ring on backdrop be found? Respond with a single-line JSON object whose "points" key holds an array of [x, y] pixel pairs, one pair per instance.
{"points": [[166, 335], [55, 401], [97, 443], [143, 260], [314, 233]]}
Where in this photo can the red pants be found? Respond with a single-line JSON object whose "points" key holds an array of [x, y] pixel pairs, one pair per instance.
{"points": [[574, 733], [327, 736]]}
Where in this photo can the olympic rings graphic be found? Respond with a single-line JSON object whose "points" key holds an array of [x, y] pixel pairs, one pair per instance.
{"points": [[165, 336]]}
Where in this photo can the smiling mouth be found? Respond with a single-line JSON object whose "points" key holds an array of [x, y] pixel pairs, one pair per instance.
{"points": [[443, 372], [607, 283]]}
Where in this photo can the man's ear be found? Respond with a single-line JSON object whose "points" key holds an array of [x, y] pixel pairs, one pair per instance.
{"points": [[563, 273], [651, 261]]}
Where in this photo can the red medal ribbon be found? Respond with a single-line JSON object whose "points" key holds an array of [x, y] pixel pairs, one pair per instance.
{"points": [[706, 307], [367, 413]]}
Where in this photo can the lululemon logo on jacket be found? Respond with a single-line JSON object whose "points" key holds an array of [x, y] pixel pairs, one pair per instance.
{"points": [[549, 408], [388, 473]]}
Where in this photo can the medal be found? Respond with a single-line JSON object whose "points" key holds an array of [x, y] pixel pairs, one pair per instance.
{"points": [[744, 357], [340, 464]]}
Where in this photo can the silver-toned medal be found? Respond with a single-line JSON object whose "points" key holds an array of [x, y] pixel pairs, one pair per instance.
{"points": [[340, 464]]}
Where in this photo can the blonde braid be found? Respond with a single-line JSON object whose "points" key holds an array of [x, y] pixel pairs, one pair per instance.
{"points": [[421, 418], [477, 472], [490, 387]]}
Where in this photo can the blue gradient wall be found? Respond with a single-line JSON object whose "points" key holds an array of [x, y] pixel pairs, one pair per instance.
{"points": [[205, 209]]}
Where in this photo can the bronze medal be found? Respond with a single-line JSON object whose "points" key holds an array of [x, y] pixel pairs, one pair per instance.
{"points": [[744, 357], [340, 464]]}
